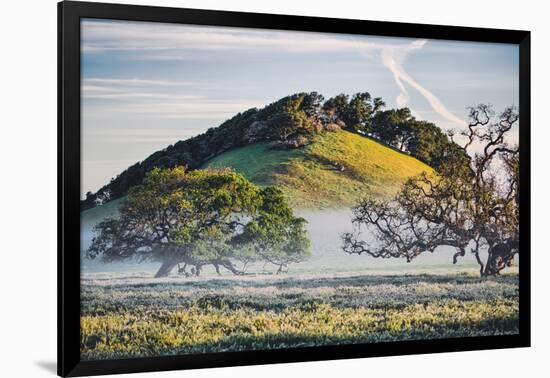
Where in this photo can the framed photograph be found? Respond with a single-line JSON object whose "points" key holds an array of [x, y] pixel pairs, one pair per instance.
{"points": [[239, 188]]}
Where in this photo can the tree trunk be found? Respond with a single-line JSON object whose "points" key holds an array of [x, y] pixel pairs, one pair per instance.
{"points": [[229, 266], [480, 263], [500, 256], [166, 268]]}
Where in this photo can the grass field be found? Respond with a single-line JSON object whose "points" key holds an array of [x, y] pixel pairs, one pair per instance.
{"points": [[312, 177], [133, 317]]}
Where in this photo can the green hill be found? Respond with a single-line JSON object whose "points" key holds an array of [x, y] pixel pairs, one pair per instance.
{"points": [[91, 217], [334, 170], [317, 163]]}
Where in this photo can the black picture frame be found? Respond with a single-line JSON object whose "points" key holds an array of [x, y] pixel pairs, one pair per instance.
{"points": [[69, 15]]}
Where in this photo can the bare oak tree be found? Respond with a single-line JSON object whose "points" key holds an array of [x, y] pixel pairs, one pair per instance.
{"points": [[470, 204]]}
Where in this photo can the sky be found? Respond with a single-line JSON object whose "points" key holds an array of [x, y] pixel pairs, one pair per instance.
{"points": [[147, 85]]}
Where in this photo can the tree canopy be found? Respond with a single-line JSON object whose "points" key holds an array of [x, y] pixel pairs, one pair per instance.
{"points": [[470, 207], [201, 217]]}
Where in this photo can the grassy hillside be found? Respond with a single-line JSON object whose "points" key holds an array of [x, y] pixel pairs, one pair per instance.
{"points": [[335, 170], [89, 218]]}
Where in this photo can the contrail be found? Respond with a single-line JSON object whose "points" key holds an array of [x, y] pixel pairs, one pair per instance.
{"points": [[393, 60]]}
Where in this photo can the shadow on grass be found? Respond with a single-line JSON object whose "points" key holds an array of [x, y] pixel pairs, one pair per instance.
{"points": [[351, 281], [374, 291]]}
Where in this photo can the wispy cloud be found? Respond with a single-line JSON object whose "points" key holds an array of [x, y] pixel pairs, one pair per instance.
{"points": [[106, 94], [137, 98], [193, 109], [173, 108], [182, 41], [140, 135], [134, 88], [112, 82], [393, 59], [153, 41], [139, 89]]}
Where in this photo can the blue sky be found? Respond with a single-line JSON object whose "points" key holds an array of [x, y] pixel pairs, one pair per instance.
{"points": [[147, 85]]}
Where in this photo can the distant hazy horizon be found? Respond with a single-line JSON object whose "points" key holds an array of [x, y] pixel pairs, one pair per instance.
{"points": [[147, 85]]}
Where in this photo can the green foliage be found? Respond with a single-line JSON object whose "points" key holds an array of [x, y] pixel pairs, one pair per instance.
{"points": [[356, 114], [359, 112], [428, 143], [423, 140], [199, 217], [336, 106], [392, 126], [312, 103], [275, 234], [291, 115]]}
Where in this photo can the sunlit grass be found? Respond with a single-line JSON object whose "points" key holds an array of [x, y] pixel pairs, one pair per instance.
{"points": [[213, 316], [215, 329], [335, 170]]}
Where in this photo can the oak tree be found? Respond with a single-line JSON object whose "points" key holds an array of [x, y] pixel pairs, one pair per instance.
{"points": [[473, 207], [198, 218]]}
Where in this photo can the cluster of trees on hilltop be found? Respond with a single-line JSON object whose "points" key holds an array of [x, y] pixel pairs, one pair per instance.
{"points": [[202, 217], [289, 123], [394, 127]]}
